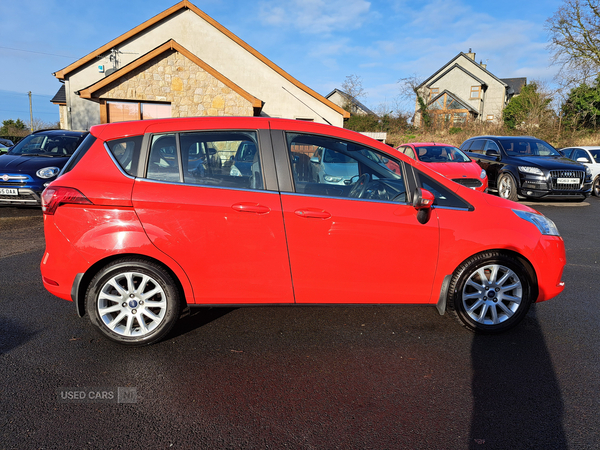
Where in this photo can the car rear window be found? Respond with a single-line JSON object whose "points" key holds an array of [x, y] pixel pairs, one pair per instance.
{"points": [[127, 152]]}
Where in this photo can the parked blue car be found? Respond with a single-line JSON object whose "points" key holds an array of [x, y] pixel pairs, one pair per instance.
{"points": [[34, 162]]}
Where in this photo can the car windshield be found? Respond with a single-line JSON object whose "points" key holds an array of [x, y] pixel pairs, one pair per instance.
{"points": [[595, 155], [528, 147], [46, 145], [439, 153]]}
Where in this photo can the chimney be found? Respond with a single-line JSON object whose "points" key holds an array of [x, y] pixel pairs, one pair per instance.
{"points": [[471, 55], [482, 64]]}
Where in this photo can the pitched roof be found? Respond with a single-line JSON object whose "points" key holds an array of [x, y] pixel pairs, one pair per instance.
{"points": [[455, 97], [443, 69], [170, 45], [515, 84], [182, 5], [343, 94], [457, 66], [60, 98]]}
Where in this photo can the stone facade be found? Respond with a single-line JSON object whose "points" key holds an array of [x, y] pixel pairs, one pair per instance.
{"points": [[189, 89]]}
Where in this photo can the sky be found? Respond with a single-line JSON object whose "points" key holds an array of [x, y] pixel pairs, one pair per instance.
{"points": [[319, 42]]}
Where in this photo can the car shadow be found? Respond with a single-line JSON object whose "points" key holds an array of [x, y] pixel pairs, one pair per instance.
{"points": [[12, 335], [516, 394], [197, 318]]}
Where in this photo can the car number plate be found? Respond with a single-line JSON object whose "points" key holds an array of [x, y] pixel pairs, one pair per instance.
{"points": [[567, 180], [8, 191]]}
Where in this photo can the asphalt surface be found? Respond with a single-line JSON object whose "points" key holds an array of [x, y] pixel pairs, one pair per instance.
{"points": [[303, 377]]}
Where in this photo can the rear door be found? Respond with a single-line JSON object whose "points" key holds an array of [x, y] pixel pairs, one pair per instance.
{"points": [[226, 231]]}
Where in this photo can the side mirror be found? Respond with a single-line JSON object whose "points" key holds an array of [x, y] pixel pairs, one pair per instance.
{"points": [[583, 160], [422, 202], [493, 153], [314, 159]]}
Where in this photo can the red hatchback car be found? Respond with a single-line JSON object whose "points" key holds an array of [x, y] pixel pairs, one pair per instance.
{"points": [[449, 161], [141, 223]]}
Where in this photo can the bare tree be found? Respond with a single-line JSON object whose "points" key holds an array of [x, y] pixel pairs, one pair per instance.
{"points": [[574, 32], [410, 88], [353, 88], [39, 124]]}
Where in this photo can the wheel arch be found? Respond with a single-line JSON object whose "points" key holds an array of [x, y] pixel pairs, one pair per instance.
{"points": [[82, 280], [533, 279]]}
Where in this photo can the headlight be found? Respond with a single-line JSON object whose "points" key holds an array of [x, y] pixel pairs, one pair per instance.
{"points": [[545, 225], [531, 170], [482, 174], [588, 171], [47, 172], [235, 172], [331, 179]]}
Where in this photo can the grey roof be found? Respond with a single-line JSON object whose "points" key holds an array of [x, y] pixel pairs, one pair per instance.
{"points": [[454, 59], [61, 96], [515, 84], [359, 104], [457, 66]]}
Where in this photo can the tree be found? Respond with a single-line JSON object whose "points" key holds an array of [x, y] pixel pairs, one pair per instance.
{"points": [[531, 108], [353, 88], [13, 128], [582, 107], [409, 89], [574, 32]]}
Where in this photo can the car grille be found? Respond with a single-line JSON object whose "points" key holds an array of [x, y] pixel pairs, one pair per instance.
{"points": [[468, 182], [13, 180], [556, 174]]}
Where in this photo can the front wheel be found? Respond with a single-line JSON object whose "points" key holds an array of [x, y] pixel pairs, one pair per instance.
{"points": [[596, 187], [133, 302], [507, 187], [490, 293]]}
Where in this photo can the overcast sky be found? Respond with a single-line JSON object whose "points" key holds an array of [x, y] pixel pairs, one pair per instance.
{"points": [[319, 42]]}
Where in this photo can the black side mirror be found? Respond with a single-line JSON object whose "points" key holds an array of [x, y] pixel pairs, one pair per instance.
{"points": [[422, 202]]}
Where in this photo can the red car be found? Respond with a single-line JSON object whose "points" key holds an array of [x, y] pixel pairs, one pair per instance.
{"points": [[139, 225], [449, 161]]}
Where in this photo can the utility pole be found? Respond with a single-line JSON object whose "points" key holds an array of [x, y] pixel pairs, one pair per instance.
{"points": [[30, 113]]}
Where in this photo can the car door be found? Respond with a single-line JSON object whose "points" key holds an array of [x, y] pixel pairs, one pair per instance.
{"points": [[225, 231], [361, 243]]}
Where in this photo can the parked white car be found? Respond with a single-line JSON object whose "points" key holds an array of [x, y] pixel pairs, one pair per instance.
{"points": [[589, 156]]}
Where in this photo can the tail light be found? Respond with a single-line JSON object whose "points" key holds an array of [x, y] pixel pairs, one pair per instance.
{"points": [[53, 197]]}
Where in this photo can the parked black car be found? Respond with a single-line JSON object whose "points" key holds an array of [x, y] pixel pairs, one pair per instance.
{"points": [[529, 167]]}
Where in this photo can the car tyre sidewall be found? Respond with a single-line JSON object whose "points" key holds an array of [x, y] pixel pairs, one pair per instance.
{"points": [[596, 186], [158, 275], [462, 275], [510, 180]]}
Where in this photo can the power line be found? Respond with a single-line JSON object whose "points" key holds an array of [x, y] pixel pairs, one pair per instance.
{"points": [[39, 53]]}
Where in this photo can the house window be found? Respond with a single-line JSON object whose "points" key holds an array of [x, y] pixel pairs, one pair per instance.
{"points": [[123, 111], [433, 92], [475, 91], [489, 118]]}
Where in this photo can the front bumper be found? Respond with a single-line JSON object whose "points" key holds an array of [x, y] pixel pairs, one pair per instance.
{"points": [[26, 196], [538, 187]]}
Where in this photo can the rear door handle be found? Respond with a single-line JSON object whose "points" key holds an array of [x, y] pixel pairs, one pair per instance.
{"points": [[255, 208], [312, 214]]}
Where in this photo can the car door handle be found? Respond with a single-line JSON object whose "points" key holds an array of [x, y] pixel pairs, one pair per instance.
{"points": [[312, 214], [255, 208]]}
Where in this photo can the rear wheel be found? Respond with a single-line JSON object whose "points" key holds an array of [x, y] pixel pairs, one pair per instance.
{"points": [[507, 187], [490, 293], [133, 302]]}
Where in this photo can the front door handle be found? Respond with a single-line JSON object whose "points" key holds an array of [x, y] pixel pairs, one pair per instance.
{"points": [[312, 214], [255, 208]]}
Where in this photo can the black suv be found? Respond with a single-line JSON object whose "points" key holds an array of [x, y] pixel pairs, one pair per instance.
{"points": [[527, 166]]}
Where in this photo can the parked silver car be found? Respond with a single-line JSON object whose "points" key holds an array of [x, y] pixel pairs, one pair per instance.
{"points": [[590, 157]]}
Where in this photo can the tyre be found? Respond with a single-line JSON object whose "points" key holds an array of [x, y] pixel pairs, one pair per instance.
{"points": [[133, 302], [490, 293], [507, 187], [596, 186]]}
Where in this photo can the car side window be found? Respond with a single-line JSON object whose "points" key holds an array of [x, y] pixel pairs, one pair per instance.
{"points": [[224, 159], [477, 146], [330, 167], [127, 152], [579, 153], [164, 161], [409, 152], [443, 196], [491, 145], [566, 152]]}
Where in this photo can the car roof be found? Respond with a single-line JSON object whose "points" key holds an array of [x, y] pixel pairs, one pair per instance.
{"points": [[503, 137], [54, 132], [584, 147]]}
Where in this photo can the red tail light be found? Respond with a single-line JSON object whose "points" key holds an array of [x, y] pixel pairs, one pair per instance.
{"points": [[53, 197]]}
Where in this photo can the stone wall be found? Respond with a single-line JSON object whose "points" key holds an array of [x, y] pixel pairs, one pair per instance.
{"points": [[190, 89]]}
